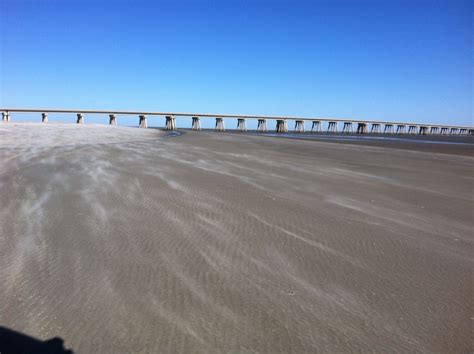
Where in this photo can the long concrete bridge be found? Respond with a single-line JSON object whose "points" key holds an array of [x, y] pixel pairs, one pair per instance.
{"points": [[334, 125]]}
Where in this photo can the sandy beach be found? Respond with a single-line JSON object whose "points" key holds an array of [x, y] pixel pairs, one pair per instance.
{"points": [[126, 240]]}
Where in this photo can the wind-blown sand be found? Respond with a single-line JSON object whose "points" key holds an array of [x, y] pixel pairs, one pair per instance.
{"points": [[125, 240]]}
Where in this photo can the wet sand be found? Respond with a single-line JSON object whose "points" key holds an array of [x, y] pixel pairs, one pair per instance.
{"points": [[126, 240]]}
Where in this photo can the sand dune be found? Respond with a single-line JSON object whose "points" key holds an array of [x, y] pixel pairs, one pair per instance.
{"points": [[125, 240]]}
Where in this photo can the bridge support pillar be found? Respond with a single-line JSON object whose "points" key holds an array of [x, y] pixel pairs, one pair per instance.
{"points": [[220, 126], [44, 117], [434, 130], [80, 118], [241, 125], [376, 129], [444, 131], [142, 121], [454, 131], [471, 132], [170, 123], [196, 125], [5, 117], [347, 128], [463, 131], [332, 127], [412, 129], [388, 129], [262, 126], [112, 119], [401, 129], [316, 127], [299, 126], [281, 126], [362, 128], [423, 130]]}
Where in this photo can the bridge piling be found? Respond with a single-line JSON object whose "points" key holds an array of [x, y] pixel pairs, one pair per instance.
{"points": [[80, 118], [142, 121], [281, 126], [196, 125], [412, 129], [316, 127], [388, 129], [444, 131], [262, 125], [434, 130], [454, 131], [112, 119], [423, 130], [44, 117], [376, 128], [241, 125], [401, 129], [5, 117], [332, 127], [362, 128], [299, 126], [170, 123], [347, 128], [220, 127]]}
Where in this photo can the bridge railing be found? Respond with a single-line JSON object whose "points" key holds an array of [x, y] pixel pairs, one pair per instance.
{"points": [[358, 126]]}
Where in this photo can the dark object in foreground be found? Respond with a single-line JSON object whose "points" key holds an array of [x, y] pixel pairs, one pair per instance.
{"points": [[12, 342]]}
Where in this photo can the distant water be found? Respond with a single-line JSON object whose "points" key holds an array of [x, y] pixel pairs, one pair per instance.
{"points": [[416, 139], [464, 140]]}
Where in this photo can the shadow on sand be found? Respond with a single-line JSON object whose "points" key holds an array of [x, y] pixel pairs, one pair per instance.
{"points": [[12, 342]]}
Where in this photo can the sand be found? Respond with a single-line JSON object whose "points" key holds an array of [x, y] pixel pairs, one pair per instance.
{"points": [[121, 240]]}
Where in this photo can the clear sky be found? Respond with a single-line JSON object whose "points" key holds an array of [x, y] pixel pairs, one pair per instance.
{"points": [[380, 59]]}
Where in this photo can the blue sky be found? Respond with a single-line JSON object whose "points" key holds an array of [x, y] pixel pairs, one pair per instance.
{"points": [[391, 60]]}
